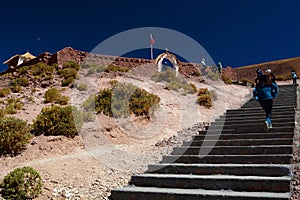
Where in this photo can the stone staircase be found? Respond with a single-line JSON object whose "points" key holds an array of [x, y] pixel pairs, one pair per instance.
{"points": [[235, 158]]}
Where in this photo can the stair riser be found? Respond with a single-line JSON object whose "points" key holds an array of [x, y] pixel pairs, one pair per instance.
{"points": [[116, 195], [255, 117], [241, 143], [241, 121], [254, 159], [254, 125], [243, 136], [230, 150], [257, 105], [224, 170], [259, 110], [213, 184], [259, 114], [259, 129]]}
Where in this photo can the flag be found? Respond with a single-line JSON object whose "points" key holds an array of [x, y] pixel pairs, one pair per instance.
{"points": [[152, 41]]}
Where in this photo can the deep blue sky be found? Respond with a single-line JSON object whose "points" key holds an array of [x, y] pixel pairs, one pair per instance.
{"points": [[237, 32]]}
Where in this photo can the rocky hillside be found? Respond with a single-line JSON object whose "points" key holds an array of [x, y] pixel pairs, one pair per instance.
{"points": [[280, 68]]}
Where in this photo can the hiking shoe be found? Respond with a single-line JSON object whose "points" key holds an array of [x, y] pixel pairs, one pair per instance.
{"points": [[267, 127]]}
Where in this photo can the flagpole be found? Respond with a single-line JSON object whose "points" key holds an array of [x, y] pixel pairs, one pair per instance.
{"points": [[151, 47]]}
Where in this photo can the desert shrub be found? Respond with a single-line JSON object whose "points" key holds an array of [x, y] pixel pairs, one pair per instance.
{"points": [[89, 104], [55, 66], [173, 85], [121, 95], [143, 103], [102, 102], [95, 67], [14, 135], [202, 91], [113, 68], [113, 83], [16, 89], [82, 87], [63, 100], [22, 183], [12, 105], [68, 75], [71, 64], [68, 72], [31, 99], [122, 100], [88, 116], [20, 82], [168, 75], [52, 95], [283, 77], [91, 71], [48, 77], [173, 82], [86, 65], [10, 109], [100, 68], [2, 113], [193, 86], [226, 79], [213, 75], [23, 70], [57, 120], [33, 90], [4, 92], [246, 80], [196, 73], [67, 82], [189, 88], [41, 70], [204, 98], [129, 99]]}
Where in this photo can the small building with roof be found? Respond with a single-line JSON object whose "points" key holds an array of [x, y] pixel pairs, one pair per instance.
{"points": [[19, 59]]}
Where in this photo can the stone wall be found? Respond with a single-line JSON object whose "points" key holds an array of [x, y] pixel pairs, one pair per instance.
{"points": [[70, 54]]}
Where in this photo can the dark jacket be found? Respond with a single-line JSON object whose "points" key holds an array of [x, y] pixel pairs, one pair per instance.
{"points": [[265, 92]]}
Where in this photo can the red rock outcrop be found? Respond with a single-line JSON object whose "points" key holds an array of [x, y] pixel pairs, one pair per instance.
{"points": [[67, 54]]}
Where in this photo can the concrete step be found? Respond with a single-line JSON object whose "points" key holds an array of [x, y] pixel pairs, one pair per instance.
{"points": [[233, 150], [251, 124], [256, 104], [259, 109], [257, 117], [241, 142], [250, 129], [251, 121], [229, 169], [261, 113], [216, 136], [213, 182], [155, 193], [222, 159], [277, 101], [234, 159]]}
